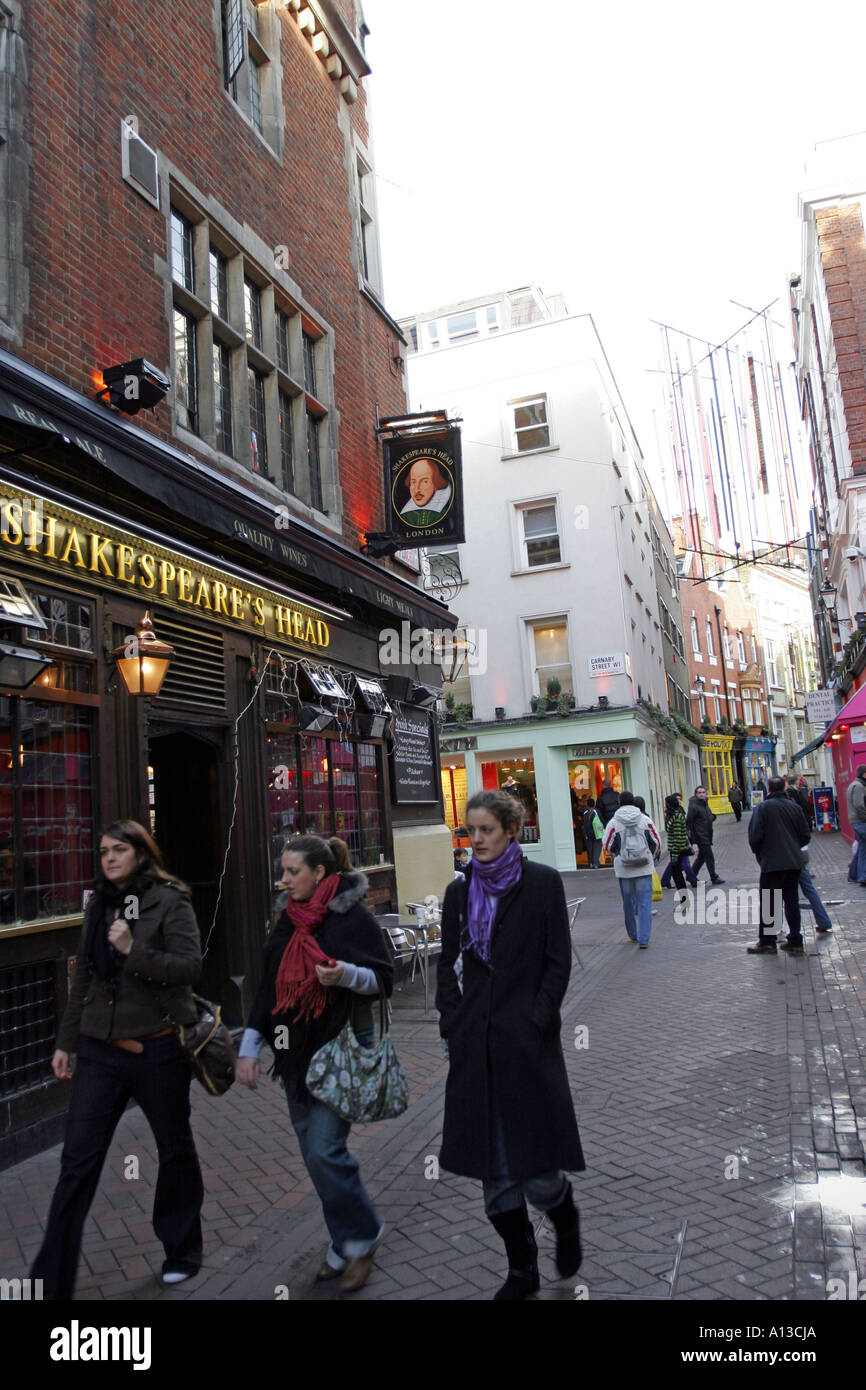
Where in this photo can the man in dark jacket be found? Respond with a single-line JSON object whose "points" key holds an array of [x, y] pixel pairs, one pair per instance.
{"points": [[777, 831], [735, 796], [699, 823], [608, 802]]}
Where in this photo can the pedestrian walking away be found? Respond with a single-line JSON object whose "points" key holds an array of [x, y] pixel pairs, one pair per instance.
{"points": [[735, 796], [634, 842], [593, 832], [503, 971], [856, 799], [807, 887], [608, 801], [138, 958], [777, 831], [699, 823], [678, 842], [323, 962]]}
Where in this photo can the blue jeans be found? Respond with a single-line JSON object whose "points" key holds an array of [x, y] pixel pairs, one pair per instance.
{"points": [[105, 1078], [810, 893], [686, 866], [637, 903], [353, 1222], [503, 1193], [859, 828]]}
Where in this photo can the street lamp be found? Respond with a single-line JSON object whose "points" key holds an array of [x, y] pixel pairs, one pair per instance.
{"points": [[828, 596], [143, 660]]}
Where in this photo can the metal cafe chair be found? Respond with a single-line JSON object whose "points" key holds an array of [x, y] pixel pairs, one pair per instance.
{"points": [[574, 909]]}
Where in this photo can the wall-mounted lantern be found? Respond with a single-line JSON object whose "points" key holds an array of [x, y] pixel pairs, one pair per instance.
{"points": [[143, 660]]}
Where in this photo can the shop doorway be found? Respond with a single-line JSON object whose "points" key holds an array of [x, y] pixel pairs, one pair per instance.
{"points": [[183, 787]]}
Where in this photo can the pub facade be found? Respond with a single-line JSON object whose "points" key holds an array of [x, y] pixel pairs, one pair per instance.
{"points": [[195, 356]]}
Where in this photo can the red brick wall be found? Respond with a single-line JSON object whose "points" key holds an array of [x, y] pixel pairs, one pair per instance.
{"points": [[843, 259], [95, 296]]}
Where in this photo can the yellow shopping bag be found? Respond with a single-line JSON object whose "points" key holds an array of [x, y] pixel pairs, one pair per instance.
{"points": [[657, 889]]}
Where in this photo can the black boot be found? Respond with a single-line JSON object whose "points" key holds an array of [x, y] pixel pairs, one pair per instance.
{"points": [[566, 1223], [515, 1229]]}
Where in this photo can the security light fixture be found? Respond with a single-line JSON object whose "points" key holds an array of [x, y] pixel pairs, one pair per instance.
{"points": [[603, 702], [314, 719], [132, 385], [143, 660], [19, 663]]}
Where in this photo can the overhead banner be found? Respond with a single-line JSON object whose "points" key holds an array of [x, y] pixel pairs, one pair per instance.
{"points": [[424, 489]]}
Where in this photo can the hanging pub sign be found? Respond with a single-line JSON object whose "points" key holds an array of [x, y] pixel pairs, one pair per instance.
{"points": [[423, 484]]}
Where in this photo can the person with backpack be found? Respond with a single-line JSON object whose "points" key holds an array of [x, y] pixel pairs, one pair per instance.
{"points": [[633, 841], [593, 833]]}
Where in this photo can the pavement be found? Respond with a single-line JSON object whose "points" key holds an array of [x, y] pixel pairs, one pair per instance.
{"points": [[722, 1106]]}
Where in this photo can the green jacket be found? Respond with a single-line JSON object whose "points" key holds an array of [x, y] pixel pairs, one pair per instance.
{"points": [[678, 836], [155, 978]]}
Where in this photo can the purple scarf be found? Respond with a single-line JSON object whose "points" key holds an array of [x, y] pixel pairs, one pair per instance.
{"points": [[487, 884]]}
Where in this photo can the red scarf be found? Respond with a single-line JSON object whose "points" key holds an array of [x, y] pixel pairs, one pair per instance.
{"points": [[298, 986]]}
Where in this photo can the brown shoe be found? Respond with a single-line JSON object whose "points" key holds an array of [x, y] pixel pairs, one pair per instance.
{"points": [[356, 1272], [326, 1271]]}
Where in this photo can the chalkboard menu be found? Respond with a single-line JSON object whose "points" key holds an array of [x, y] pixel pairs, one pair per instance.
{"points": [[414, 775]]}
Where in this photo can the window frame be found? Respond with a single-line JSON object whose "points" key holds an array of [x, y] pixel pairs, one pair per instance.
{"points": [[535, 625], [262, 330], [515, 430], [523, 542]]}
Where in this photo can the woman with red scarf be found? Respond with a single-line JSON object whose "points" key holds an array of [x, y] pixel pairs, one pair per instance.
{"points": [[503, 971], [326, 950]]}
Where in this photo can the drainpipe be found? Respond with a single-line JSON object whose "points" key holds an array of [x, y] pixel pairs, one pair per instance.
{"points": [[718, 613]]}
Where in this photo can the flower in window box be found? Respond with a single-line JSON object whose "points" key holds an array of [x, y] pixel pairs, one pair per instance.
{"points": [[554, 688]]}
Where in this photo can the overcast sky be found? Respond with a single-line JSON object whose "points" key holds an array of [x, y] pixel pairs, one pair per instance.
{"points": [[645, 158]]}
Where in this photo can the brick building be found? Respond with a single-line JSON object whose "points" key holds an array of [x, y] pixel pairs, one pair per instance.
{"points": [[187, 196], [726, 671]]}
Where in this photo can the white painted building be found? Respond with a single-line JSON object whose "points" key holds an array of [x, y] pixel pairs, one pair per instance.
{"points": [[557, 577]]}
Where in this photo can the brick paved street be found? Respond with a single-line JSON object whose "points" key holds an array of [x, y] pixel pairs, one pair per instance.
{"points": [[722, 1106]]}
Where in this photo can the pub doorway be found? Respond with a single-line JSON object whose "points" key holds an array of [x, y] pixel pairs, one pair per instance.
{"points": [[184, 797]]}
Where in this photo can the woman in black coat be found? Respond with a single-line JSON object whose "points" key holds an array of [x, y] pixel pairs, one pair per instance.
{"points": [[503, 971], [138, 958], [326, 950]]}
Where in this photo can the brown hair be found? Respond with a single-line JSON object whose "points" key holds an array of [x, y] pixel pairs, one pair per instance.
{"points": [[332, 854], [148, 857], [507, 809]]}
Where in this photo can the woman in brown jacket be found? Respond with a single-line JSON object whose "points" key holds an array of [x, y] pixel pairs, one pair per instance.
{"points": [[139, 955]]}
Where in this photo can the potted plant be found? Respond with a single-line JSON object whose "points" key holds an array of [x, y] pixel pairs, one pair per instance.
{"points": [[449, 709], [463, 713], [554, 690], [564, 704], [534, 702]]}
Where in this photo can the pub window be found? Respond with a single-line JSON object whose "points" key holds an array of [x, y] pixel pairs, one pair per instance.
{"points": [[253, 313], [219, 294], [286, 443], [322, 786], [249, 40], [247, 324], [310, 364], [222, 383], [47, 772], [182, 251], [258, 431], [314, 462], [185, 372], [281, 340]]}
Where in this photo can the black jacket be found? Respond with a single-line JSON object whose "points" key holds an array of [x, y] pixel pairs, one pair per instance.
{"points": [[153, 980], [777, 829], [348, 932], [503, 1033], [699, 822], [607, 803]]}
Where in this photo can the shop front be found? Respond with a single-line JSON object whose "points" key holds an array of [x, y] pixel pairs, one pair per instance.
{"points": [[275, 717], [717, 758], [555, 765], [759, 765], [846, 736]]}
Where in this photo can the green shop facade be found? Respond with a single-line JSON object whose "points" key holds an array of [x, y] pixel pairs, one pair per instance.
{"points": [[554, 764]]}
